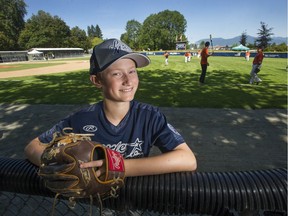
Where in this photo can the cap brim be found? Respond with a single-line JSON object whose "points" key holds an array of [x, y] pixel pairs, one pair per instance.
{"points": [[140, 59]]}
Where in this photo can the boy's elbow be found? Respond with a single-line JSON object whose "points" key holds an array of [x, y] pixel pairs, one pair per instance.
{"points": [[193, 161], [193, 164]]}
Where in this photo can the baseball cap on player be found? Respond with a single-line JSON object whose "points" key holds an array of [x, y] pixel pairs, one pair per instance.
{"points": [[207, 43], [109, 51]]}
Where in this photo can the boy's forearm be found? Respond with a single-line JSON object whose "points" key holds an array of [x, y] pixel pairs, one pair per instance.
{"points": [[33, 151], [174, 161]]}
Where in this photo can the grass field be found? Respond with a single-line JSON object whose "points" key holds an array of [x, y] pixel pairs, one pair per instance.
{"points": [[175, 85]]}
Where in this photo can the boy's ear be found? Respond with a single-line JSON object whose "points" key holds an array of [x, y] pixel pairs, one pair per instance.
{"points": [[95, 81]]}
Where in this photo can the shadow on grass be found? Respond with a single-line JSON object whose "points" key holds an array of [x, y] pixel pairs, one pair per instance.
{"points": [[64, 88], [222, 89], [164, 88]]}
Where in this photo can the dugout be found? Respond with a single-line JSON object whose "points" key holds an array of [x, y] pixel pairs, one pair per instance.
{"points": [[13, 56], [52, 53]]}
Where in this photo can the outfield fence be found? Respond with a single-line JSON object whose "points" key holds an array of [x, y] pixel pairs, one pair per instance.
{"points": [[224, 54]]}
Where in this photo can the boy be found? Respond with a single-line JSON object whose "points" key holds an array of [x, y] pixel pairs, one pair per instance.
{"points": [[121, 123], [204, 62], [166, 55], [256, 66]]}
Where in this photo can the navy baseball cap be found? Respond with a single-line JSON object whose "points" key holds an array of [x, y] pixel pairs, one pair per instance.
{"points": [[109, 51]]}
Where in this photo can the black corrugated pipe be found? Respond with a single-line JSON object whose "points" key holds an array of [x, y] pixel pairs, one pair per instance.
{"points": [[212, 193]]}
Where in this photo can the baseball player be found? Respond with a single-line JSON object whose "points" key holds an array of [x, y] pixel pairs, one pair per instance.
{"points": [[121, 123], [256, 66], [204, 62], [166, 55], [187, 57]]}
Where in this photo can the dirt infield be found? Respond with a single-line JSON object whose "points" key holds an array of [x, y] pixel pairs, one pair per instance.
{"points": [[68, 66]]}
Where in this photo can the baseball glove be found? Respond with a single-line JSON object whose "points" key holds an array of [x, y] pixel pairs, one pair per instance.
{"points": [[257, 69], [60, 167]]}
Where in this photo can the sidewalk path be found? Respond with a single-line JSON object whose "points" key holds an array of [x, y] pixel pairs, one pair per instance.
{"points": [[222, 139]]}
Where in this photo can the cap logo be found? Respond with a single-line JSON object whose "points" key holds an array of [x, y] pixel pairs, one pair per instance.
{"points": [[117, 46]]}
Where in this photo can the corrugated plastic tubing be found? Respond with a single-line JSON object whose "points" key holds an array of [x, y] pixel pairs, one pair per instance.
{"points": [[212, 193]]}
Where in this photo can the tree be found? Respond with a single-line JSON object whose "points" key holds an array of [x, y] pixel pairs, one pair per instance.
{"points": [[79, 39], [94, 31], [95, 41], [98, 32], [149, 33], [131, 37], [243, 39], [278, 48], [90, 31], [160, 30], [12, 22], [43, 30], [264, 35], [202, 44]]}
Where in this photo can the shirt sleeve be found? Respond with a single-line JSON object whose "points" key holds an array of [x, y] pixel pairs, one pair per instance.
{"points": [[47, 136], [167, 138]]}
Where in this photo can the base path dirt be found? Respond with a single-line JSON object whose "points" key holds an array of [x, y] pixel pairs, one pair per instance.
{"points": [[67, 66]]}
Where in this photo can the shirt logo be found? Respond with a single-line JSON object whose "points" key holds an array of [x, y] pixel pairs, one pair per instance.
{"points": [[173, 129], [128, 150], [90, 128]]}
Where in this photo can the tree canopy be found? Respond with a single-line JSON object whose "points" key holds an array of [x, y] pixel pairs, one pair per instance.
{"points": [[94, 31], [12, 22], [131, 36], [243, 39], [78, 38], [44, 30], [160, 30], [264, 35]]}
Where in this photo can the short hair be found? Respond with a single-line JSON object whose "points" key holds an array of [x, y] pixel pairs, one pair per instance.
{"points": [[207, 43]]}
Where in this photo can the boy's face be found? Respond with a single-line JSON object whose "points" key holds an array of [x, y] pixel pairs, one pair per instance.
{"points": [[120, 81]]}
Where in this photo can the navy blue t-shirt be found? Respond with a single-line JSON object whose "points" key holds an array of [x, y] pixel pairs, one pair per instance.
{"points": [[142, 127]]}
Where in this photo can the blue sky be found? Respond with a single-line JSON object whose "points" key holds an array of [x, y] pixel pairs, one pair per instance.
{"points": [[220, 18]]}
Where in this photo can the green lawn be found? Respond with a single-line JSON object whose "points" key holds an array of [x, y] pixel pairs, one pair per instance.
{"points": [[175, 85]]}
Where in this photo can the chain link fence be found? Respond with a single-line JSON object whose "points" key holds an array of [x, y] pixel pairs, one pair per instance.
{"points": [[12, 204]]}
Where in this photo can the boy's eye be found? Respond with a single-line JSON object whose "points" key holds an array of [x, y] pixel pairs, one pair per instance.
{"points": [[117, 74]]}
